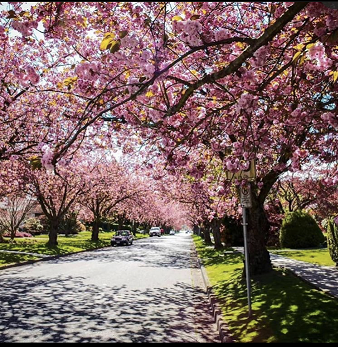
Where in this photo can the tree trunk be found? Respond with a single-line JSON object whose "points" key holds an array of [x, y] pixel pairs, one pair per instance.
{"points": [[95, 230], [196, 230], [133, 228], [120, 222], [215, 227], [257, 232], [206, 235], [53, 233], [13, 232]]}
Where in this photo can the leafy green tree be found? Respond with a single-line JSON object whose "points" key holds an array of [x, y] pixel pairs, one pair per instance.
{"points": [[300, 230]]}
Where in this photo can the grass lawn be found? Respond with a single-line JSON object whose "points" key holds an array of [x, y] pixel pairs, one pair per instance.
{"points": [[285, 309], [319, 256], [66, 244]]}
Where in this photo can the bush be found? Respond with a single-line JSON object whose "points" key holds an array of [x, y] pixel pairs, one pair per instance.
{"points": [[69, 224], [18, 234], [332, 240], [300, 230], [32, 226]]}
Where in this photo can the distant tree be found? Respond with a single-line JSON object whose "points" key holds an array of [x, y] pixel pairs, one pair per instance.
{"points": [[15, 212]]}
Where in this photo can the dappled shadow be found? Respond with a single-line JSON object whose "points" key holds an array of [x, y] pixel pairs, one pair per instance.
{"points": [[323, 277], [230, 259], [147, 292], [155, 249], [306, 312], [67, 310], [12, 258], [284, 309]]}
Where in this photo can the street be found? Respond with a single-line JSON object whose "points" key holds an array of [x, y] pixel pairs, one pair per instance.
{"points": [[151, 291]]}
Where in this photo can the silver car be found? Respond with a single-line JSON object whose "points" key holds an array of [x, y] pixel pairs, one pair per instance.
{"points": [[155, 231]]}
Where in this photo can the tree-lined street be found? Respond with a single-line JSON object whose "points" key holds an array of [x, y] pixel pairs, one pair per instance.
{"points": [[217, 117]]}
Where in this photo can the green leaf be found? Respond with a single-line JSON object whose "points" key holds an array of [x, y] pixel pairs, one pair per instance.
{"points": [[115, 46], [177, 18], [35, 162], [123, 33], [194, 17], [108, 38], [296, 56]]}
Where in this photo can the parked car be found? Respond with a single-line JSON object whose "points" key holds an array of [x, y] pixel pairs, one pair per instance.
{"points": [[122, 237], [155, 231], [172, 232]]}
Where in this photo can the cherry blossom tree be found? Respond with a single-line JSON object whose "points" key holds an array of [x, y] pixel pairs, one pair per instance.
{"points": [[244, 81], [55, 193], [108, 184]]}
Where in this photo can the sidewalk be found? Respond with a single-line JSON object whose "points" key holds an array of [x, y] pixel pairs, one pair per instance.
{"points": [[324, 278]]}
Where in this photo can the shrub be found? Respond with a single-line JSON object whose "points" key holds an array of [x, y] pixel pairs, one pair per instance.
{"points": [[18, 234], [300, 230], [332, 240], [32, 226], [69, 224]]}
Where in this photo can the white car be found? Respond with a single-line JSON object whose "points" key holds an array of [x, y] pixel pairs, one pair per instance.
{"points": [[155, 231], [172, 232]]}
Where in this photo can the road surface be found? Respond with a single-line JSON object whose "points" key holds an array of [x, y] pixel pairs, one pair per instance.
{"points": [[151, 291]]}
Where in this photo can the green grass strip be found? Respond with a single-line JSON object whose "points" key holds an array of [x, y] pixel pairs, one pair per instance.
{"points": [[285, 309]]}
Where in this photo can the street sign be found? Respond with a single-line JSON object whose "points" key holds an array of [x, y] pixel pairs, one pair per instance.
{"points": [[246, 196], [244, 174]]}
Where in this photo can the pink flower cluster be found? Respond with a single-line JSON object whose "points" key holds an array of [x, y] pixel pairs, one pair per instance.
{"points": [[331, 118], [260, 56], [88, 71], [222, 34], [24, 28], [29, 75], [317, 53], [3, 35], [129, 42], [190, 31], [245, 102], [47, 158]]}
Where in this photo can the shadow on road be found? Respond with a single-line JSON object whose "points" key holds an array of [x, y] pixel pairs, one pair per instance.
{"points": [[67, 308]]}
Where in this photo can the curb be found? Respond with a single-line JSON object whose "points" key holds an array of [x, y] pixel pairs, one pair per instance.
{"points": [[222, 327]]}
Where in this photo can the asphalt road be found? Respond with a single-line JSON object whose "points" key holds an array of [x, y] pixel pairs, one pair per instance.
{"points": [[151, 291]]}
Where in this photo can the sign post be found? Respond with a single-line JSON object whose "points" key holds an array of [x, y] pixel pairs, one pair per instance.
{"points": [[245, 195], [245, 203]]}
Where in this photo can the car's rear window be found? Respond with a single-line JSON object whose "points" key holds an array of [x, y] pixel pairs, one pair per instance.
{"points": [[122, 233]]}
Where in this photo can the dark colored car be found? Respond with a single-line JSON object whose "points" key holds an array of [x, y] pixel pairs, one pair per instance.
{"points": [[122, 237]]}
